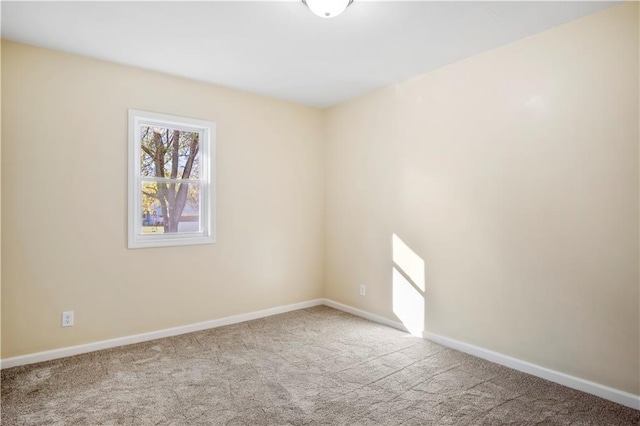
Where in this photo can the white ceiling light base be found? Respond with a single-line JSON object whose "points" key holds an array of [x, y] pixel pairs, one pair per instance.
{"points": [[327, 8]]}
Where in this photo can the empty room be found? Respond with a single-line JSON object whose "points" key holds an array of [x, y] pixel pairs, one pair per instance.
{"points": [[320, 212]]}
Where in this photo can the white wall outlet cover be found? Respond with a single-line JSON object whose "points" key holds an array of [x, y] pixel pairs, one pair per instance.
{"points": [[363, 289], [67, 319]]}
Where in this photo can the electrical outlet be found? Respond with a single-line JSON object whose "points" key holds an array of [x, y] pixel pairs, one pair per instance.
{"points": [[363, 290], [67, 319]]}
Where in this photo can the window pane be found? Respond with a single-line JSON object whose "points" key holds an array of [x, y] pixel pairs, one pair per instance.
{"points": [[169, 153], [170, 208]]}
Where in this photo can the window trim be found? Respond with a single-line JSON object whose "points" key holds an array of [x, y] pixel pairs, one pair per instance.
{"points": [[207, 130]]}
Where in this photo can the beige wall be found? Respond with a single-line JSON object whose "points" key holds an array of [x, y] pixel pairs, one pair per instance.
{"points": [[514, 176], [0, 200], [64, 190]]}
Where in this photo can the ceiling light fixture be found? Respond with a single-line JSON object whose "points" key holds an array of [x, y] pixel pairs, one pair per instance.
{"points": [[327, 8]]}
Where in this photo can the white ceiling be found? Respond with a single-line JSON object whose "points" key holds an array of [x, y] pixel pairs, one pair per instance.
{"points": [[281, 49]]}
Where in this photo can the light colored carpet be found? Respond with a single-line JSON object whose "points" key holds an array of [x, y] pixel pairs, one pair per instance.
{"points": [[309, 367]]}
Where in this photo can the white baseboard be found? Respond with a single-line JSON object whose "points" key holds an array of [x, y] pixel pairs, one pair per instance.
{"points": [[364, 314], [615, 395], [144, 337]]}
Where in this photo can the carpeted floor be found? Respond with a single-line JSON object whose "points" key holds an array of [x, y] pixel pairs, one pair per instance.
{"points": [[313, 366]]}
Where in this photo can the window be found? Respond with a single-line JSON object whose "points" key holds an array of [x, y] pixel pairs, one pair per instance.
{"points": [[171, 193]]}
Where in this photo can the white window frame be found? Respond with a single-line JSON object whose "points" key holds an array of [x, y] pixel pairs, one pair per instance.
{"points": [[207, 130]]}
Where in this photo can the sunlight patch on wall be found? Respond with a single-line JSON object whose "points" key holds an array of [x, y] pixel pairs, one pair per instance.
{"points": [[408, 304], [408, 286], [409, 262]]}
